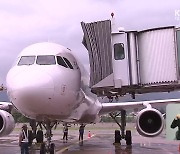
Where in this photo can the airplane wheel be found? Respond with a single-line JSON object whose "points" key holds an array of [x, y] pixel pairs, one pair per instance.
{"points": [[39, 136], [128, 137], [117, 136], [42, 148], [52, 148]]}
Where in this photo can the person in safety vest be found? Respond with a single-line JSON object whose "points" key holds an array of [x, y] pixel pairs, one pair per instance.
{"points": [[24, 139]]}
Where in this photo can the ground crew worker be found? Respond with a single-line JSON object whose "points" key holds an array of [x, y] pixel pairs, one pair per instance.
{"points": [[176, 123], [81, 132], [65, 131], [24, 139]]}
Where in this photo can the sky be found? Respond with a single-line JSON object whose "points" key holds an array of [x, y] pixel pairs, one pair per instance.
{"points": [[23, 23]]}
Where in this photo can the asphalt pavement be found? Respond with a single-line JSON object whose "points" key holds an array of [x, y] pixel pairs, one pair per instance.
{"points": [[99, 141]]}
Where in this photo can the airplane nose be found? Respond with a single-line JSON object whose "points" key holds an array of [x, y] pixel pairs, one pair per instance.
{"points": [[31, 79], [32, 90]]}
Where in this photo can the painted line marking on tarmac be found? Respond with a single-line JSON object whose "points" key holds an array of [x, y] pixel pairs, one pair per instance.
{"points": [[66, 148]]}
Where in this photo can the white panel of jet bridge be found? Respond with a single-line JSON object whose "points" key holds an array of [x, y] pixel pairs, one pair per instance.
{"points": [[157, 56]]}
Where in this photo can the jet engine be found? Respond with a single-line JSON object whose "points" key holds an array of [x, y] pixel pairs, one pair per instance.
{"points": [[150, 122], [7, 123]]}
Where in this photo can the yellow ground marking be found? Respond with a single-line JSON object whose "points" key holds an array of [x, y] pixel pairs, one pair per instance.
{"points": [[76, 142]]}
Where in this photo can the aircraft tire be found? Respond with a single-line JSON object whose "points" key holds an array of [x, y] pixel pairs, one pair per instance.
{"points": [[117, 136], [42, 148], [52, 148], [39, 136], [128, 137]]}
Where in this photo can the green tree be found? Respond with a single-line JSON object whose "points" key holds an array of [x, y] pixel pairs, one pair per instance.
{"points": [[18, 117]]}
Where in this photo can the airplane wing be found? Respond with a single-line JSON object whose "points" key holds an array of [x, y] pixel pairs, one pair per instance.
{"points": [[111, 107]]}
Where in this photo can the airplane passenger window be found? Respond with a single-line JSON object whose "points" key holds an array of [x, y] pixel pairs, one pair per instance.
{"points": [[119, 51], [26, 60], [45, 60], [61, 62], [68, 63]]}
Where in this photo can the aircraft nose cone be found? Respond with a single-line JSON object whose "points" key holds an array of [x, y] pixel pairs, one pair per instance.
{"points": [[31, 90], [31, 79]]}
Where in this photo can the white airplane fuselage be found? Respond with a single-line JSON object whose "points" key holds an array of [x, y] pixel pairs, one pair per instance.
{"points": [[43, 85], [48, 84]]}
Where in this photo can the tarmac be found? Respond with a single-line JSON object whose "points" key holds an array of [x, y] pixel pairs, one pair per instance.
{"points": [[99, 141]]}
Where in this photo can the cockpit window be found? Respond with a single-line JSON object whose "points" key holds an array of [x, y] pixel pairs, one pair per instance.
{"points": [[61, 62], [26, 60], [45, 60], [68, 63]]}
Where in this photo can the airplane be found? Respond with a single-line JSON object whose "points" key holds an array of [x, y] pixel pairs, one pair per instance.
{"points": [[48, 84], [2, 88]]}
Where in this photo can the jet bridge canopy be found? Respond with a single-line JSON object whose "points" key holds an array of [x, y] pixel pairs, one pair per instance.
{"points": [[132, 61]]}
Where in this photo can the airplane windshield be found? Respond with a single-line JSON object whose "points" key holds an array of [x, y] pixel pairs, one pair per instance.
{"points": [[26, 60], [68, 63], [61, 62], [46, 60]]}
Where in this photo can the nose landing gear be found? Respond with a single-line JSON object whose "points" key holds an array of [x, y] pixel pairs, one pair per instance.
{"points": [[48, 147]]}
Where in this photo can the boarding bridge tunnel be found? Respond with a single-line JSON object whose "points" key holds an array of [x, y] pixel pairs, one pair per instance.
{"points": [[133, 62]]}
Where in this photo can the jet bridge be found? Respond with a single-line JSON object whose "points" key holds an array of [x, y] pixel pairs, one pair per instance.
{"points": [[133, 62]]}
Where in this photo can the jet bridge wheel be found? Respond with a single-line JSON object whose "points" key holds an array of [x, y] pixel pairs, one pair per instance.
{"points": [[128, 137]]}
